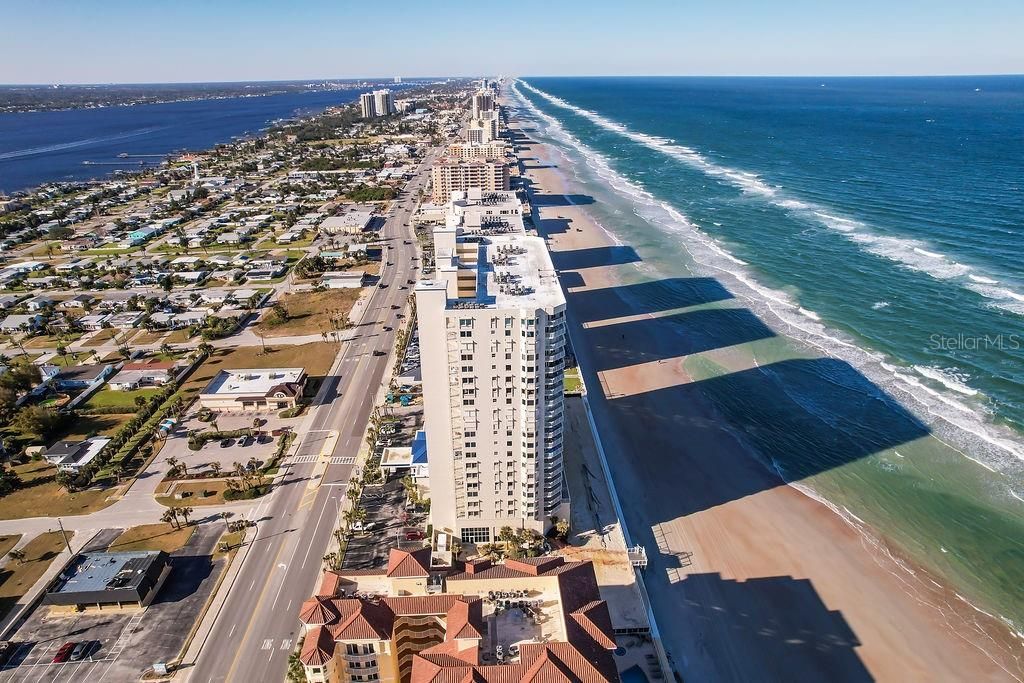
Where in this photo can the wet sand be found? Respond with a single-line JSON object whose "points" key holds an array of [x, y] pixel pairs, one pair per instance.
{"points": [[751, 578]]}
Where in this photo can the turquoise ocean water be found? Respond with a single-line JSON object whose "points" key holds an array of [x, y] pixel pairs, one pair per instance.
{"points": [[876, 220]]}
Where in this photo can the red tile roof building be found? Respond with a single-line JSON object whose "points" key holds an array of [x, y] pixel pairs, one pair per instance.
{"points": [[453, 636]]}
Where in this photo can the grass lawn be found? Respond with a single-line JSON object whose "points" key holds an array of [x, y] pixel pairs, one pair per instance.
{"points": [[231, 539], [17, 578], [310, 312], [107, 397], [178, 337], [47, 341], [147, 337], [103, 336], [8, 542], [573, 384], [316, 358], [86, 425], [70, 359], [40, 496], [215, 487], [152, 537]]}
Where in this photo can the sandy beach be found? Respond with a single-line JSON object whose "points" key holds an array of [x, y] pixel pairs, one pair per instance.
{"points": [[751, 579]]}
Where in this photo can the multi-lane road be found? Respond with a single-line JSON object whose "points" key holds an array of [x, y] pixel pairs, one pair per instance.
{"points": [[257, 626]]}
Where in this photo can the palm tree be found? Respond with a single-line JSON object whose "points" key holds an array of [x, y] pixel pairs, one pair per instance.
{"points": [[171, 517], [185, 512], [165, 349], [18, 555], [216, 468]]}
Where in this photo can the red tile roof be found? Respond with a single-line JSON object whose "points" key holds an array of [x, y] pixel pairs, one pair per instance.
{"points": [[318, 648], [403, 565]]}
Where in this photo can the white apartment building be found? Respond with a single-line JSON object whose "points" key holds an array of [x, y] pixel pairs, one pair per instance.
{"points": [[367, 106], [376, 103], [484, 129], [491, 150], [454, 175], [476, 211], [384, 102], [492, 334]]}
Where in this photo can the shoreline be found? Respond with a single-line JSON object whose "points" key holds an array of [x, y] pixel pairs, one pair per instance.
{"points": [[898, 629]]}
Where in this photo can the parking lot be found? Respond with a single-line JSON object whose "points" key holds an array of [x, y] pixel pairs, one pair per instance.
{"points": [[242, 449], [126, 643], [388, 525]]}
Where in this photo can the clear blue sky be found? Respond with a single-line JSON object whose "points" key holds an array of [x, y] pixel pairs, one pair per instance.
{"points": [[98, 41]]}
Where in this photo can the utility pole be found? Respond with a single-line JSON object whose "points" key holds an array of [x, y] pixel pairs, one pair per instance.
{"points": [[64, 535]]}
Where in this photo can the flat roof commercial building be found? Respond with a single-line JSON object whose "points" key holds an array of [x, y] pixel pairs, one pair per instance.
{"points": [[112, 579], [254, 389], [349, 223]]}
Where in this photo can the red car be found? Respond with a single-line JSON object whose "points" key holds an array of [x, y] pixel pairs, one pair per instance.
{"points": [[63, 654]]}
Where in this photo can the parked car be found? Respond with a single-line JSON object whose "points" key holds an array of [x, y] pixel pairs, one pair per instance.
{"points": [[83, 650], [227, 443], [63, 654], [246, 441]]}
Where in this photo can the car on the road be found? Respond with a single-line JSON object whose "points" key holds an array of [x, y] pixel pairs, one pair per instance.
{"points": [[83, 650], [227, 443], [388, 328], [406, 241], [383, 285], [395, 307], [63, 654], [378, 352], [403, 286]]}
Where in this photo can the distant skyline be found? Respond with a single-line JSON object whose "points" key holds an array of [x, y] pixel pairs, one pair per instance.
{"points": [[117, 41]]}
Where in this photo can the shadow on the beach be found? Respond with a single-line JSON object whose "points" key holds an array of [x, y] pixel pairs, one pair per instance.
{"points": [[801, 417], [643, 297], [593, 257], [547, 200], [780, 624], [673, 336]]}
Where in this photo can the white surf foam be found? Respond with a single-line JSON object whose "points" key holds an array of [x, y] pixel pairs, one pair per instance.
{"points": [[910, 253], [946, 377], [952, 419], [879, 305]]}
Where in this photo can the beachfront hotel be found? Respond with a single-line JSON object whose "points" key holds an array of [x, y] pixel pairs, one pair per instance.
{"points": [[496, 149], [427, 619], [454, 175], [492, 334]]}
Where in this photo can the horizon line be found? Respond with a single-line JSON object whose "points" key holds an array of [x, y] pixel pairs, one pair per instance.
{"points": [[408, 79]]}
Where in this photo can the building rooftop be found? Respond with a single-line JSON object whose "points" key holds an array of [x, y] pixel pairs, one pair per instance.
{"points": [[106, 571], [502, 271], [252, 381]]}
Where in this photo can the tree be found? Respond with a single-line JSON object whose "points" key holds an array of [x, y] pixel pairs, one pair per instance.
{"points": [[562, 528], [205, 348], [140, 402], [185, 512], [37, 420], [165, 349], [170, 516], [216, 468], [18, 555]]}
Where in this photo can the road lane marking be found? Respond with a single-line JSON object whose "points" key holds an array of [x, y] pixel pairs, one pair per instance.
{"points": [[267, 644]]}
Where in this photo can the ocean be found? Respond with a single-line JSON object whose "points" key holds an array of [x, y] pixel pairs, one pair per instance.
{"points": [[40, 147], [879, 221]]}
